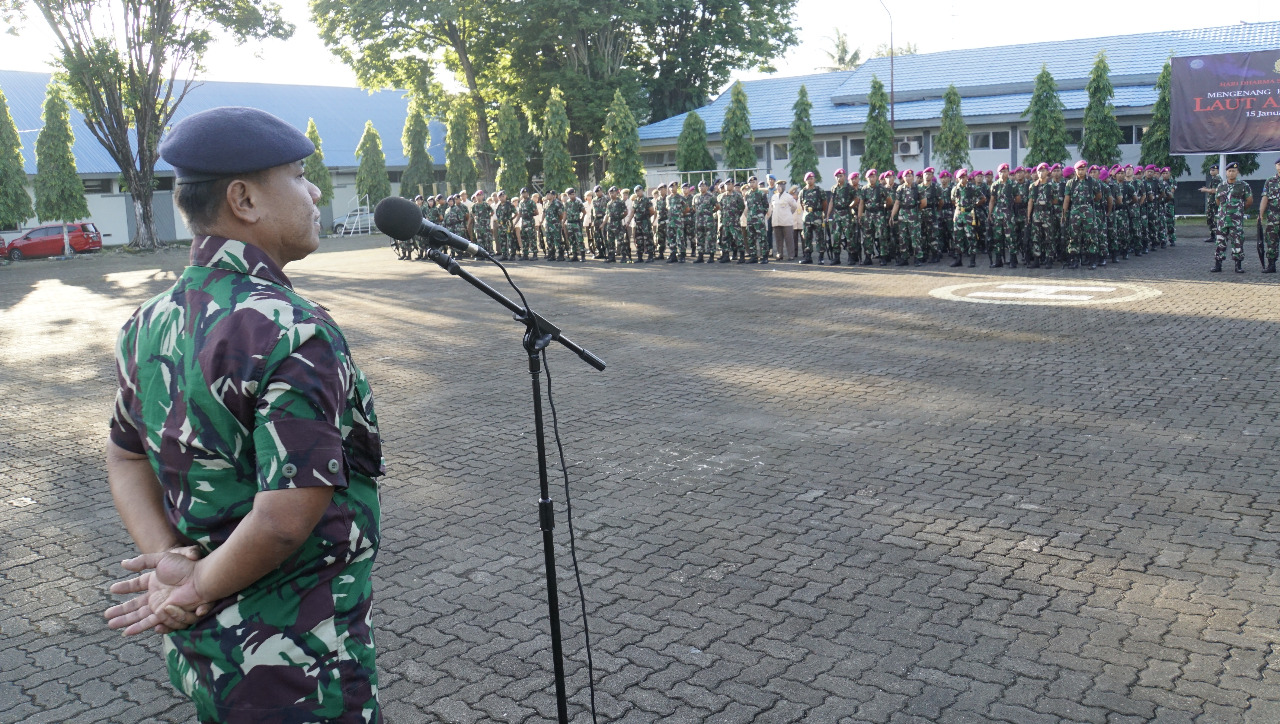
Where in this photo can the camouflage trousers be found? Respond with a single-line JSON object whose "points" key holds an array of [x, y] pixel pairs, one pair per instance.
{"points": [[731, 239], [1121, 233], [1136, 228], [483, 237], [1271, 236], [688, 239], [675, 239], [1082, 231], [757, 238], [1042, 243], [942, 232], [1155, 227], [844, 236], [910, 235], [573, 240], [706, 236], [598, 238], [811, 231], [529, 239], [660, 236], [505, 239], [1230, 232], [929, 232], [644, 240], [1170, 223], [555, 241], [964, 237], [875, 235], [618, 243], [1004, 234], [1211, 219]]}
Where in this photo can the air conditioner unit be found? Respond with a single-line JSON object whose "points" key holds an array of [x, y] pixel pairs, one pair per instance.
{"points": [[908, 148]]}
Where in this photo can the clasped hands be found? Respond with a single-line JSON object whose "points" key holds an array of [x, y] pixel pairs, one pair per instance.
{"points": [[167, 597]]}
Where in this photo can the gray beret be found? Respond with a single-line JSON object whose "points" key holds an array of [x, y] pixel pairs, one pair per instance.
{"points": [[231, 140]]}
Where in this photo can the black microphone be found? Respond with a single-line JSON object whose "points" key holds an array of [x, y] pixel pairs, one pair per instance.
{"points": [[402, 219]]}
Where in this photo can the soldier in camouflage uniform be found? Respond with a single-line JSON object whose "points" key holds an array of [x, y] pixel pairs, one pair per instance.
{"points": [[528, 235], [873, 208], [758, 211], [660, 227], [504, 232], [574, 210], [1234, 197], [945, 211], [1210, 190], [1269, 213], [905, 214], [456, 217], [690, 237], [675, 223], [1078, 217], [599, 209], [1001, 209], [930, 194], [732, 206], [1042, 206], [844, 233], [1021, 232], [433, 212], [553, 226], [705, 207], [966, 199], [1153, 228], [481, 221], [813, 202], [243, 450], [615, 215], [641, 219]]}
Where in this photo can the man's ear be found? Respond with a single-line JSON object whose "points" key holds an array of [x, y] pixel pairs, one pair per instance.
{"points": [[241, 203]]}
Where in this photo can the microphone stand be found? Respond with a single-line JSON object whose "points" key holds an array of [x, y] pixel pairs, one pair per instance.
{"points": [[539, 333]]}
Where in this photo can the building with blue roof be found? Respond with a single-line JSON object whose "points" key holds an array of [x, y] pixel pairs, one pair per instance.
{"points": [[339, 113], [995, 84]]}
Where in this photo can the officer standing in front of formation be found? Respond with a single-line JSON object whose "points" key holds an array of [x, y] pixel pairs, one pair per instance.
{"points": [[815, 212], [1269, 213], [574, 211], [1234, 197], [1210, 190]]}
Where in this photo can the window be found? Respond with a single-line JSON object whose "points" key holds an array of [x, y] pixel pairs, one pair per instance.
{"points": [[833, 149], [979, 141], [760, 153], [857, 146], [1138, 133], [658, 158], [163, 183], [1074, 135], [1024, 139], [97, 186], [717, 155], [395, 176], [1000, 139], [1126, 135], [779, 151]]}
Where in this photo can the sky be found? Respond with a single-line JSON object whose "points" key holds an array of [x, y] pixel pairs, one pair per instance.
{"points": [[932, 25]]}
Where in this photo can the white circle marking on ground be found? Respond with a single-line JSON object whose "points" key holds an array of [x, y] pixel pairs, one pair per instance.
{"points": [[1044, 294]]}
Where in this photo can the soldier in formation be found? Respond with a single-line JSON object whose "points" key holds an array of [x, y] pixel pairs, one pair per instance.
{"points": [[1269, 215], [1233, 197]]}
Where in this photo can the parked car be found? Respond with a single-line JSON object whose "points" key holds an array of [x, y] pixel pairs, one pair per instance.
{"points": [[356, 221], [47, 241]]}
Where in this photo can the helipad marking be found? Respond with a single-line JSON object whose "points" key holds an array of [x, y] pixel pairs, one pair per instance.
{"points": [[1043, 294]]}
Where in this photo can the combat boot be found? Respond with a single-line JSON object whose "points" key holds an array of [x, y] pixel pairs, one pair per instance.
{"points": [[1271, 267], [1217, 265], [1013, 261], [1035, 263], [724, 257], [1093, 261], [973, 260], [868, 261], [574, 257], [701, 259], [560, 256], [998, 263], [1075, 262], [672, 259], [806, 259], [958, 262], [764, 259], [1239, 266]]}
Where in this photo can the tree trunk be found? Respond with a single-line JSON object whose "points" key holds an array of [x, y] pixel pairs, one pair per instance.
{"points": [[144, 236], [66, 241]]}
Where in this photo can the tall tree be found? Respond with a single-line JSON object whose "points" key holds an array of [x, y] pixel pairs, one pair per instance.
{"points": [[1155, 142], [1100, 143], [692, 154], [59, 191], [314, 168], [878, 152], [621, 145], [557, 165], [842, 58], [882, 50], [736, 136], [371, 175], [15, 204], [803, 157], [125, 61], [420, 174], [513, 174], [459, 162], [1047, 128], [951, 145]]}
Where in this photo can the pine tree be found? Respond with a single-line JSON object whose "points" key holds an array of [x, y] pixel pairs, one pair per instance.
{"points": [[621, 145], [513, 174], [459, 163], [1155, 142], [692, 155], [803, 156], [1047, 129], [15, 204], [951, 146], [878, 153], [1100, 143], [314, 169], [371, 176], [557, 165], [420, 174], [736, 136], [58, 189]]}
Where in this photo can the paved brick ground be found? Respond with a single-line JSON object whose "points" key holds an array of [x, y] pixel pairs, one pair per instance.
{"points": [[802, 494]]}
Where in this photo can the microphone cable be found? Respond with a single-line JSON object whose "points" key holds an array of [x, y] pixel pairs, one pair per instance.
{"points": [[568, 502]]}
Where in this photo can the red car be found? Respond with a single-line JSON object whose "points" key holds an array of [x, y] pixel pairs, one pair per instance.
{"points": [[47, 241]]}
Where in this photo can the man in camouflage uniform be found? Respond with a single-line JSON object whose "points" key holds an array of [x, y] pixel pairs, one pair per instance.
{"points": [[1269, 213], [732, 206], [456, 217], [813, 203], [840, 214], [1001, 209], [906, 216], [1234, 197], [945, 212], [553, 226], [243, 448], [758, 212], [1021, 232], [873, 209], [675, 223], [690, 241], [615, 229], [966, 199], [930, 194], [1078, 217], [1168, 190], [527, 235], [599, 206], [1210, 190], [504, 233], [660, 227], [1042, 206], [705, 207], [574, 210], [1151, 209], [481, 221], [433, 212], [641, 219]]}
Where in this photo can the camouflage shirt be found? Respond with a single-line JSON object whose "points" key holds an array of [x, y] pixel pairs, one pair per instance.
{"points": [[616, 211], [432, 213], [966, 198], [1231, 197], [704, 209], [843, 197], [551, 212], [233, 384], [732, 205], [573, 211], [599, 206], [528, 211], [1271, 192], [641, 208], [481, 214], [504, 214], [757, 205]]}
